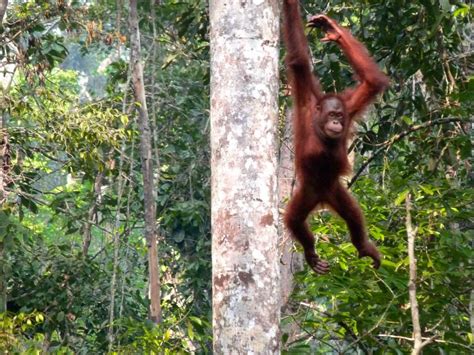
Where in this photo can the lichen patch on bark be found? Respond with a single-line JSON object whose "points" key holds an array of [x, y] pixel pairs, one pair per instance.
{"points": [[244, 117]]}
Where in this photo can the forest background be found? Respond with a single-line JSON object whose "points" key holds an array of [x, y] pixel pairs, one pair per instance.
{"points": [[74, 272]]}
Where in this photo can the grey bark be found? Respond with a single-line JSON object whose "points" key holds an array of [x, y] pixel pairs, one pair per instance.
{"points": [[92, 214], [471, 312], [3, 9], [4, 174], [4, 179], [147, 165], [244, 115], [116, 247], [418, 343], [3, 283]]}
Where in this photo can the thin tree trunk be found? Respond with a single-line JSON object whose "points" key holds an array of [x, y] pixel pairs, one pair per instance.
{"points": [[471, 312], [4, 179], [244, 115], [113, 283], [116, 248], [147, 165], [92, 214], [154, 99], [3, 9], [418, 343], [46, 342], [4, 174], [128, 228], [3, 283]]}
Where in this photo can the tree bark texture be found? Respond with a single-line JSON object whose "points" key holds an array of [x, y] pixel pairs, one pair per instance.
{"points": [[415, 317], [147, 165], [244, 115], [3, 9], [5, 165], [3, 281], [92, 217]]}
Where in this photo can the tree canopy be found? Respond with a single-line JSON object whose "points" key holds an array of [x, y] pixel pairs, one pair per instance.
{"points": [[71, 173]]}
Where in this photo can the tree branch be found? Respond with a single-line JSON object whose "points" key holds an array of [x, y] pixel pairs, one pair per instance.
{"points": [[376, 325], [341, 323], [433, 339], [415, 316], [388, 143]]}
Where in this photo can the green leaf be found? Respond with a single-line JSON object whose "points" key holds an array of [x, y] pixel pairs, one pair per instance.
{"points": [[427, 189], [408, 120], [60, 316], [401, 197], [462, 11], [445, 5], [190, 331], [196, 320]]}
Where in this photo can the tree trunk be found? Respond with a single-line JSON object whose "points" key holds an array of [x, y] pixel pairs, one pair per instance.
{"points": [[92, 214], [147, 165], [116, 247], [4, 173], [4, 179], [471, 312], [3, 283], [3, 9], [244, 115], [415, 317]]}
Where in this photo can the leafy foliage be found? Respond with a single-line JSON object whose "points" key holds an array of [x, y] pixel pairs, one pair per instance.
{"points": [[73, 146], [416, 141], [13, 328], [64, 135]]}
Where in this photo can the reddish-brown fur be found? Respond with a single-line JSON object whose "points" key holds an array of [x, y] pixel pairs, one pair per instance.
{"points": [[322, 125]]}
